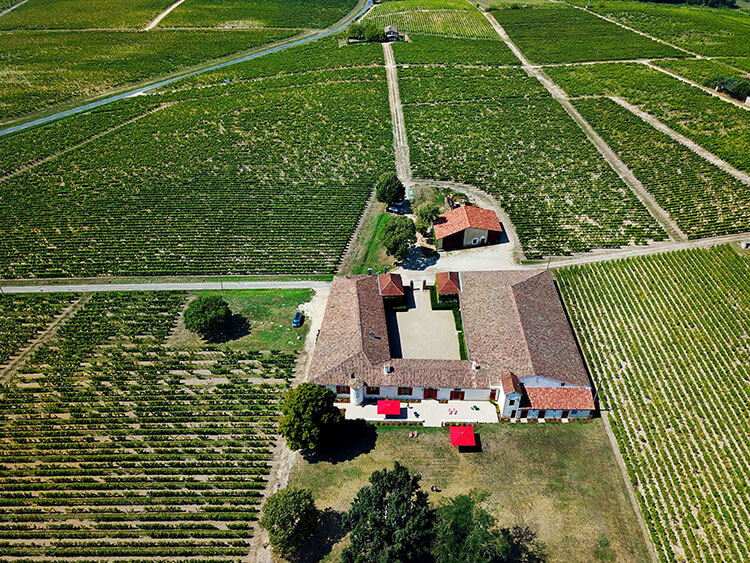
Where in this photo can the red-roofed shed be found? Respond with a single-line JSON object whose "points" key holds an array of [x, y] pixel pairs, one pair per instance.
{"points": [[447, 283], [466, 226], [391, 285]]}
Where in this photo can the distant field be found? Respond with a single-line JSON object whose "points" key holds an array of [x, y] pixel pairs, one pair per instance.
{"points": [[706, 31], [117, 446], [255, 177], [666, 340], [703, 199], [714, 124], [258, 13], [701, 70], [82, 14], [534, 474], [437, 17], [431, 49], [39, 69]]}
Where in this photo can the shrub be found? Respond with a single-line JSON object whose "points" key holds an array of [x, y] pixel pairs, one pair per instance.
{"points": [[209, 316]]}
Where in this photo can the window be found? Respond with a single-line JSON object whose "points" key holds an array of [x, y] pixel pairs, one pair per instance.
{"points": [[573, 412], [342, 389], [372, 390], [511, 402], [474, 241], [542, 414], [404, 390]]}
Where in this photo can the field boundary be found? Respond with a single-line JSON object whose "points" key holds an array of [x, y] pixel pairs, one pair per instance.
{"points": [[13, 7], [163, 15]]}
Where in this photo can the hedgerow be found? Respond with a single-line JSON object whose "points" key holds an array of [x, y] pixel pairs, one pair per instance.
{"points": [[117, 445], [665, 338], [703, 199]]}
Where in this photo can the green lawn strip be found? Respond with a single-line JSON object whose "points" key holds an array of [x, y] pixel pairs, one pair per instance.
{"points": [[375, 256], [561, 480], [269, 313]]}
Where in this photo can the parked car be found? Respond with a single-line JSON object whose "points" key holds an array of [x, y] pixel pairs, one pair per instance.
{"points": [[299, 318]]}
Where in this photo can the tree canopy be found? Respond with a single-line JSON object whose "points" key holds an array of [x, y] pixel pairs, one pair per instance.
{"points": [[290, 517], [389, 188], [398, 236], [308, 413], [389, 520], [209, 316], [465, 533]]}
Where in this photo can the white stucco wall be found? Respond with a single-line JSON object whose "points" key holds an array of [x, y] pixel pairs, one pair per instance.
{"points": [[471, 233]]}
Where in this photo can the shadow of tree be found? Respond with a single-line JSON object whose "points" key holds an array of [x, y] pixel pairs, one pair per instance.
{"points": [[329, 533], [345, 442], [420, 258], [238, 327]]}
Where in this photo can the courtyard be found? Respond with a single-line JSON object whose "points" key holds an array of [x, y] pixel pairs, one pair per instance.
{"points": [[421, 332]]}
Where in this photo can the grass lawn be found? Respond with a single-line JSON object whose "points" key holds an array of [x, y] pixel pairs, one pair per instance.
{"points": [[559, 479], [369, 251], [269, 314]]}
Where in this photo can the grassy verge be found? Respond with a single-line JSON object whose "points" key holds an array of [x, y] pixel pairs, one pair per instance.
{"points": [[373, 255], [268, 314], [559, 479]]}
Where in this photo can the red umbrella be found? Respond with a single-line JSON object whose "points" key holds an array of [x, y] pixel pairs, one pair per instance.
{"points": [[463, 436], [389, 407]]}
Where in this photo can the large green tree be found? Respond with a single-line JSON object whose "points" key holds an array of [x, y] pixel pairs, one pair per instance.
{"points": [[399, 235], [389, 520], [290, 517], [209, 316], [466, 533], [389, 188], [308, 413]]}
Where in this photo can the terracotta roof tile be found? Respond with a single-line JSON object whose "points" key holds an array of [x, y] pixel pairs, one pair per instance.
{"points": [[560, 398], [390, 285], [511, 384], [463, 218], [447, 283]]}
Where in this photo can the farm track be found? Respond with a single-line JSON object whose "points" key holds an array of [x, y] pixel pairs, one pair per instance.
{"points": [[163, 15], [400, 143], [13, 7], [697, 149], [648, 200], [71, 148], [710, 91], [43, 336], [361, 8]]}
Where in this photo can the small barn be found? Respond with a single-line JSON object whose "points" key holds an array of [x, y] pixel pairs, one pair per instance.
{"points": [[466, 226], [391, 33]]}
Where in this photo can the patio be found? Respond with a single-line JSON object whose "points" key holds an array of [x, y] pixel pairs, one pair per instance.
{"points": [[428, 413]]}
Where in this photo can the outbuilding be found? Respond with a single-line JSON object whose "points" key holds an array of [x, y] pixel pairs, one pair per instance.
{"points": [[391, 33], [466, 226]]}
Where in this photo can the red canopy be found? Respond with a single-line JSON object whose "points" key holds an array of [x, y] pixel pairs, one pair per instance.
{"points": [[389, 407], [462, 436]]}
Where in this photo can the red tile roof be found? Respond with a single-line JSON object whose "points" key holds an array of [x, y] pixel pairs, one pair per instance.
{"points": [[447, 283], [511, 384], [463, 218], [390, 285], [560, 398]]}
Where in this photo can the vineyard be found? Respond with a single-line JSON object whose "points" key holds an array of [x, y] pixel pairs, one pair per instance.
{"points": [[666, 340], [80, 14], [431, 49], [42, 68], [561, 34], [699, 70], [715, 125], [703, 199], [438, 17], [265, 180], [720, 33], [115, 446], [560, 194]]}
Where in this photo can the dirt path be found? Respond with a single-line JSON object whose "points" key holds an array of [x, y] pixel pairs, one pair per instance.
{"points": [[13, 7], [711, 91], [44, 336], [46, 159], [697, 149], [161, 16], [627, 176], [400, 144]]}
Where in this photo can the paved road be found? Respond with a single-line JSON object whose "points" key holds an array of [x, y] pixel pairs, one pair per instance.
{"points": [[144, 89], [173, 286]]}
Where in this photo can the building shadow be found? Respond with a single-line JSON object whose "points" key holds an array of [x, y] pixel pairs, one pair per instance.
{"points": [[420, 258], [394, 334], [348, 440], [476, 448], [238, 327], [329, 533], [503, 236]]}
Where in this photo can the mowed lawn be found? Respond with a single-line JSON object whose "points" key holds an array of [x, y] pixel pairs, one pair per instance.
{"points": [[262, 320], [559, 479]]}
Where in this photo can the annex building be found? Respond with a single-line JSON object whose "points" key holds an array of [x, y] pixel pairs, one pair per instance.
{"points": [[465, 227], [519, 347]]}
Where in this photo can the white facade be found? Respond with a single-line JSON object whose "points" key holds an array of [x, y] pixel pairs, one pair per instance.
{"points": [[357, 395]]}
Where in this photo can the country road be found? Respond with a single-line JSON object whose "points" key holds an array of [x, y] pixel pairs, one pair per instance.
{"points": [[143, 89]]}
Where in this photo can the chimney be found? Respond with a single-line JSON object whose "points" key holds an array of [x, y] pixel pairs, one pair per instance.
{"points": [[387, 369], [369, 271], [474, 364]]}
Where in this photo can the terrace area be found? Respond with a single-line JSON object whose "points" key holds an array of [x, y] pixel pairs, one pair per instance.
{"points": [[421, 332]]}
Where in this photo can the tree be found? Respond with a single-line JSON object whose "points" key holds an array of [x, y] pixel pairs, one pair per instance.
{"points": [[428, 212], [374, 33], [389, 520], [466, 533], [389, 189], [524, 545], [398, 236], [308, 413], [209, 316], [356, 31], [290, 517]]}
